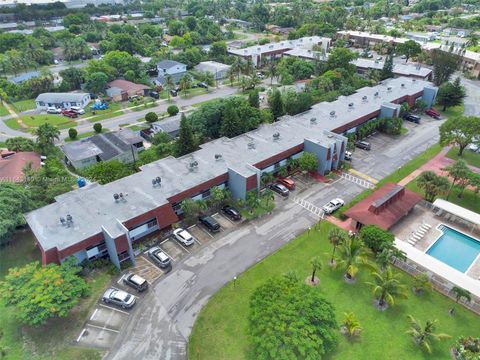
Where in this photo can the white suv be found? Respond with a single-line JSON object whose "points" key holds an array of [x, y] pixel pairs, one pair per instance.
{"points": [[53, 110], [333, 205], [183, 236], [77, 110]]}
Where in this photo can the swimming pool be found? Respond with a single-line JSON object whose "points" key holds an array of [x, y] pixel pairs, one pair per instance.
{"points": [[455, 248]]}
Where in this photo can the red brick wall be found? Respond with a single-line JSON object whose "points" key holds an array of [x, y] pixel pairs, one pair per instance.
{"points": [[164, 214], [274, 159], [121, 243], [95, 239], [199, 188], [357, 122], [251, 182]]}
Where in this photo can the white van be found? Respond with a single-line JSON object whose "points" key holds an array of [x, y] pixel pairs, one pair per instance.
{"points": [[77, 110]]}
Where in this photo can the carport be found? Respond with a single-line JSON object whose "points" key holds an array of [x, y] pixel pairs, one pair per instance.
{"points": [[456, 213]]}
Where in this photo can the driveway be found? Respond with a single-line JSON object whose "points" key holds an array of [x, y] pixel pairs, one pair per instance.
{"points": [[164, 319]]}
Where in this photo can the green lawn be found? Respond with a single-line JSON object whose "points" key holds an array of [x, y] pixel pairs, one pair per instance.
{"points": [[53, 340], [60, 121], [85, 135], [470, 157], [3, 110], [24, 105], [137, 127], [220, 331], [451, 111], [468, 200], [12, 124], [396, 176], [192, 92]]}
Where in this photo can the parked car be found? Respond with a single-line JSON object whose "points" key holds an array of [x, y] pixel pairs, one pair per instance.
{"points": [[474, 148], [183, 236], [78, 110], [154, 95], [363, 145], [288, 183], [412, 118], [210, 223], [202, 85], [69, 113], [231, 212], [99, 106], [135, 281], [348, 155], [133, 98], [173, 93], [119, 297], [333, 205], [433, 113], [159, 257], [379, 58], [53, 110], [280, 189]]}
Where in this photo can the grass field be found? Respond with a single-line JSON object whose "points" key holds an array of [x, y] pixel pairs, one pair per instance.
{"points": [[3, 110], [470, 157], [396, 176], [220, 331], [12, 124], [24, 105], [60, 121], [36, 343], [84, 135], [451, 111]]}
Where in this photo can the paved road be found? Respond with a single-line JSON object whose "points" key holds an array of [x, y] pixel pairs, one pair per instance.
{"points": [[161, 324], [472, 101]]}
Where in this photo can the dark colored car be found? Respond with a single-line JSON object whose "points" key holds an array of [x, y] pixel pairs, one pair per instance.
{"points": [[433, 113], [412, 118], [363, 145], [173, 93], [136, 282], [69, 113], [231, 212], [159, 257], [202, 85], [280, 189], [154, 95], [210, 223]]}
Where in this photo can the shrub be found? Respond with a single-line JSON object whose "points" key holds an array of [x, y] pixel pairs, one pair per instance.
{"points": [[375, 238], [97, 127], [151, 117], [172, 110], [72, 133], [467, 348]]}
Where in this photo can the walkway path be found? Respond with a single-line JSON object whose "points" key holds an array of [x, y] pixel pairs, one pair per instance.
{"points": [[5, 131], [436, 164]]}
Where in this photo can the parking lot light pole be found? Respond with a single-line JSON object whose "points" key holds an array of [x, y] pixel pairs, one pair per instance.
{"points": [[234, 281]]}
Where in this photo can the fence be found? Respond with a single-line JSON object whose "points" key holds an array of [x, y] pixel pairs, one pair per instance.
{"points": [[359, 181], [310, 207]]}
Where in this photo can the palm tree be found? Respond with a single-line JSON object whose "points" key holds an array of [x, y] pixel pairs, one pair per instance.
{"points": [[248, 67], [268, 195], [185, 83], [457, 171], [386, 287], [244, 83], [254, 80], [316, 265], [389, 255], [266, 178], [459, 294], [231, 75], [237, 67], [421, 284], [423, 336], [351, 253], [336, 236], [169, 84], [46, 135], [272, 70], [472, 39], [351, 325]]}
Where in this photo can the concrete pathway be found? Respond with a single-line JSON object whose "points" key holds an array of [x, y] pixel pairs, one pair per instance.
{"points": [[5, 131], [436, 164]]}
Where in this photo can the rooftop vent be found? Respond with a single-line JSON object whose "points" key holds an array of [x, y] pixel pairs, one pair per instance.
{"points": [[193, 165], [69, 220], [218, 157], [330, 136], [116, 196], [332, 113], [376, 61], [251, 145], [376, 94], [63, 221], [350, 105], [276, 136], [364, 98], [313, 120], [157, 181], [402, 85], [413, 80], [389, 89]]}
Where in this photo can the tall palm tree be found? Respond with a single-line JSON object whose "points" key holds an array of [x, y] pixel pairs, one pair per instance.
{"points": [[351, 254], [336, 236], [423, 336], [351, 325], [316, 265], [272, 70], [46, 135], [387, 287], [169, 84], [231, 75], [237, 67], [248, 67]]}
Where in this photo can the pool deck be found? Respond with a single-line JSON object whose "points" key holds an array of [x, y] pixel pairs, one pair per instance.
{"points": [[408, 225]]}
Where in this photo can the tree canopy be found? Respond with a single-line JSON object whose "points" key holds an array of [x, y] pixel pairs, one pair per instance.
{"points": [[290, 320], [376, 238], [460, 130], [107, 171]]}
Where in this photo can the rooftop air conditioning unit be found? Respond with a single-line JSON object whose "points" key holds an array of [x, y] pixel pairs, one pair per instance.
{"points": [[332, 113], [63, 221], [116, 197], [313, 120], [402, 85], [364, 98], [157, 181], [218, 157], [389, 89], [350, 106], [193, 165], [251, 145], [276, 136]]}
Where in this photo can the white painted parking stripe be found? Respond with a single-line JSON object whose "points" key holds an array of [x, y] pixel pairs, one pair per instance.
{"points": [[164, 241], [183, 247], [226, 218], [198, 241], [94, 313], [103, 328], [206, 232], [112, 308], [81, 334]]}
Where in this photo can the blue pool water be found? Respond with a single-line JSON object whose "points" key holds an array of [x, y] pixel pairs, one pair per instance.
{"points": [[455, 249]]}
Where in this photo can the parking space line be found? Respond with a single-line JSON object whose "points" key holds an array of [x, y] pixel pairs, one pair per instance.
{"points": [[171, 257], [81, 334], [183, 247], [168, 238], [226, 218], [111, 308], [206, 231], [103, 328], [198, 241], [94, 313]]}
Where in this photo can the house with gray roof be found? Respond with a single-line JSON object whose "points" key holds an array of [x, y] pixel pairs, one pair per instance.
{"points": [[62, 100], [122, 145], [25, 76], [170, 67]]}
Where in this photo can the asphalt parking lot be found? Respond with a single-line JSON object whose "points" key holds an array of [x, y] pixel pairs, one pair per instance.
{"points": [[145, 269]]}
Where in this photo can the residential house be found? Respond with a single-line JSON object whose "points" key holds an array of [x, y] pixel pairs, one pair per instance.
{"points": [[62, 100], [25, 76], [12, 164], [218, 70], [170, 67], [123, 145], [121, 90]]}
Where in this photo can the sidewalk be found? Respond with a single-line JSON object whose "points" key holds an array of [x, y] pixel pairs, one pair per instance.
{"points": [[436, 164]]}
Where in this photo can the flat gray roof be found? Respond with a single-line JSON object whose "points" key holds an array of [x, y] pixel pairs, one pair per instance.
{"points": [[306, 54], [399, 69], [93, 206], [212, 66], [61, 97], [305, 42]]}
